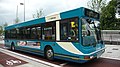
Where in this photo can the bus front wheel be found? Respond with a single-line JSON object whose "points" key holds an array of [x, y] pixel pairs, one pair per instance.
{"points": [[49, 54]]}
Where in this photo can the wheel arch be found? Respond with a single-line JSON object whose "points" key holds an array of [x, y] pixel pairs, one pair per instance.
{"points": [[12, 44], [48, 46]]}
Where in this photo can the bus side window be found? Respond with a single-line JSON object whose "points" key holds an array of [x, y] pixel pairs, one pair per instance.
{"points": [[69, 29], [48, 31], [38, 32], [33, 33], [28, 33], [64, 31]]}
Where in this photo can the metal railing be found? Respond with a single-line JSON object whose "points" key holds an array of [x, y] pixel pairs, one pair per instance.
{"points": [[111, 36]]}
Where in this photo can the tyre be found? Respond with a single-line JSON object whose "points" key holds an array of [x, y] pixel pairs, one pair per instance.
{"points": [[49, 54]]}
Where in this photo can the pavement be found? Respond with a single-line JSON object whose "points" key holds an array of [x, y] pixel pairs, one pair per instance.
{"points": [[112, 52], [19, 60]]}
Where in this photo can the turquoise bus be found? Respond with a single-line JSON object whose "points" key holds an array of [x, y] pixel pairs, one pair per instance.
{"points": [[72, 35]]}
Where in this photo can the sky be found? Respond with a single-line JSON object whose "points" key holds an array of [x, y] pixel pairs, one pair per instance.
{"points": [[8, 8]]}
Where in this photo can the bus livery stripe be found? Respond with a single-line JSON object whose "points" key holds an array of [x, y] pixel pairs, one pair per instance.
{"points": [[68, 46]]}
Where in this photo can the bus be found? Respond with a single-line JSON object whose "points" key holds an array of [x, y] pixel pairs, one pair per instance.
{"points": [[72, 35]]}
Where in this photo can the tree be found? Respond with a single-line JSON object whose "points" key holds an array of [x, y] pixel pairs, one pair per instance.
{"points": [[38, 13], [4, 25], [17, 20], [96, 5], [1, 30], [107, 18]]}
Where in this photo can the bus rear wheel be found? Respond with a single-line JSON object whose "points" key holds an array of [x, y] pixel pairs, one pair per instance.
{"points": [[12, 47], [49, 54]]}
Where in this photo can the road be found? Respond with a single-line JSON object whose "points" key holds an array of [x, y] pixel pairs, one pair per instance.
{"points": [[101, 62]]}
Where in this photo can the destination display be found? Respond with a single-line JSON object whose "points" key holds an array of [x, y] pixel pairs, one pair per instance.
{"points": [[91, 14]]}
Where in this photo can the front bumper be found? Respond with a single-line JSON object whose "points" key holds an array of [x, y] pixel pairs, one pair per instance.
{"points": [[95, 54]]}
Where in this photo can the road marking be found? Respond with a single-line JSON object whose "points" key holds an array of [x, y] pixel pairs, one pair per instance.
{"points": [[115, 49], [109, 52], [112, 58], [34, 59], [11, 62], [63, 64]]}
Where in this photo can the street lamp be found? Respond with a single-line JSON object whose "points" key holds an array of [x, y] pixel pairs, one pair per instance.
{"points": [[17, 12], [24, 8], [17, 19]]}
